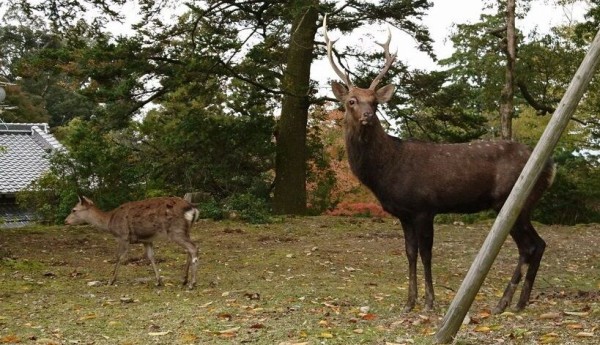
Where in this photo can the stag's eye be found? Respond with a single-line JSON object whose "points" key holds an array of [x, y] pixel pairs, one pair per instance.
{"points": [[352, 102]]}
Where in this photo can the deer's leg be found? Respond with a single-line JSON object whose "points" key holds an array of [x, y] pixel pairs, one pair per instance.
{"points": [[411, 244], [191, 265], [150, 255], [536, 251], [424, 229], [121, 255]]}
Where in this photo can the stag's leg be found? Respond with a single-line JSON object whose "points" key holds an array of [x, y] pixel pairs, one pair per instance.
{"points": [[150, 255], [424, 229], [121, 255], [531, 248], [411, 244], [191, 265], [536, 251]]}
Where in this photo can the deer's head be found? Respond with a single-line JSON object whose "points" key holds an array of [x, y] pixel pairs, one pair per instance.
{"points": [[79, 212], [360, 104]]}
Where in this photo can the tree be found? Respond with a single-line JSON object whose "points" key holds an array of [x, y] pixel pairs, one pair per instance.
{"points": [[290, 169], [231, 41], [508, 91]]}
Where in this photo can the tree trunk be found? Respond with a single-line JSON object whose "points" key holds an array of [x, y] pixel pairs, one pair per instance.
{"points": [[508, 91], [290, 166]]}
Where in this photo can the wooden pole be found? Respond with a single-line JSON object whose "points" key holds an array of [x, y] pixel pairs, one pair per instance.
{"points": [[513, 205]]}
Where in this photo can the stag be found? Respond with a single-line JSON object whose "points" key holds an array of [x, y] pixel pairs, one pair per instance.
{"points": [[141, 222], [416, 180]]}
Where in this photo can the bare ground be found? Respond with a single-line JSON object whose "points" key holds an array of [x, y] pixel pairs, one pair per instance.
{"points": [[305, 280]]}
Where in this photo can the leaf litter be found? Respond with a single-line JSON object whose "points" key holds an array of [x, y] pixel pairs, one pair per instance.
{"points": [[304, 280]]}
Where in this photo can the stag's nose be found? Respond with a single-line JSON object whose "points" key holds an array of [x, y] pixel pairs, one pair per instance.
{"points": [[366, 117]]}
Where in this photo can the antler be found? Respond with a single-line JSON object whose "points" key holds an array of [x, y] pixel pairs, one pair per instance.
{"points": [[389, 60], [344, 76]]}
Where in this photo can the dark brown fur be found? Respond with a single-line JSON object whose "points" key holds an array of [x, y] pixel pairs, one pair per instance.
{"points": [[415, 180]]}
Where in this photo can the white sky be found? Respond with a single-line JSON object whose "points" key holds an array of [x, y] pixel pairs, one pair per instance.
{"points": [[440, 20]]}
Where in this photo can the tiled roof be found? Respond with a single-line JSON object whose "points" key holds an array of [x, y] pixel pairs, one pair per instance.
{"points": [[24, 149]]}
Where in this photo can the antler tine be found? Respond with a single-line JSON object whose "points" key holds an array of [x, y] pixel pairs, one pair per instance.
{"points": [[389, 60], [344, 76]]}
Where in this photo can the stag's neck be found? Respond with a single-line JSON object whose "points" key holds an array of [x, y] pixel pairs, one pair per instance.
{"points": [[98, 218], [369, 149]]}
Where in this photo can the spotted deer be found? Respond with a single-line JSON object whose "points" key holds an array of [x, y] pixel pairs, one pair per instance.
{"points": [[141, 222], [415, 180]]}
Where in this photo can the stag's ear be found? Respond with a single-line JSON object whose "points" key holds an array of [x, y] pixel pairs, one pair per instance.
{"points": [[339, 90], [385, 93]]}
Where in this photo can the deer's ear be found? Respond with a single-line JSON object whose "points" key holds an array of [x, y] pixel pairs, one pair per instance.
{"points": [[339, 90], [85, 201], [385, 93]]}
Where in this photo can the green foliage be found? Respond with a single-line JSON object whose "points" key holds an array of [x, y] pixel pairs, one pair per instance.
{"points": [[435, 109], [248, 207], [211, 209], [574, 196]]}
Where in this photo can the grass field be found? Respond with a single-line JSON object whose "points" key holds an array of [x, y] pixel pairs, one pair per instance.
{"points": [[303, 280]]}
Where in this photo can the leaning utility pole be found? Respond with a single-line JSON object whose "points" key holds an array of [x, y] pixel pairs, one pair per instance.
{"points": [[513, 205]]}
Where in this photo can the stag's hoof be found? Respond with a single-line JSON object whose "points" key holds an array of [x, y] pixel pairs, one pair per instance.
{"points": [[158, 283], [408, 307], [520, 306], [500, 308], [428, 307]]}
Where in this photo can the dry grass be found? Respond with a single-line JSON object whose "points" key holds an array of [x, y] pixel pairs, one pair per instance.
{"points": [[318, 280]]}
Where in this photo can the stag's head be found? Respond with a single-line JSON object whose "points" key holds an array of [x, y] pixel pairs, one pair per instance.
{"points": [[360, 104]]}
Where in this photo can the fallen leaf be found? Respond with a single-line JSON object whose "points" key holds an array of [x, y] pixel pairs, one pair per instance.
{"points": [[369, 316], [229, 330], [188, 338], [326, 335], [482, 329], [88, 317], [158, 334], [257, 326], [575, 326], [358, 331], [584, 334], [549, 338], [225, 316], [485, 314], [577, 313], [550, 316], [10, 339], [206, 304]]}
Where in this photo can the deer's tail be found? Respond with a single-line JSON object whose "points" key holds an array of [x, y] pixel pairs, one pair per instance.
{"points": [[192, 214]]}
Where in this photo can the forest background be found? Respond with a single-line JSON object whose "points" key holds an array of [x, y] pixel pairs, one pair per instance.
{"points": [[211, 97]]}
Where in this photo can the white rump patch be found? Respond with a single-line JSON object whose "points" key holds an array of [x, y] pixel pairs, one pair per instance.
{"points": [[191, 215]]}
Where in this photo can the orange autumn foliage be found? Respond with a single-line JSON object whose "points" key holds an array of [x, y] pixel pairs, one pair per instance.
{"points": [[349, 196]]}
